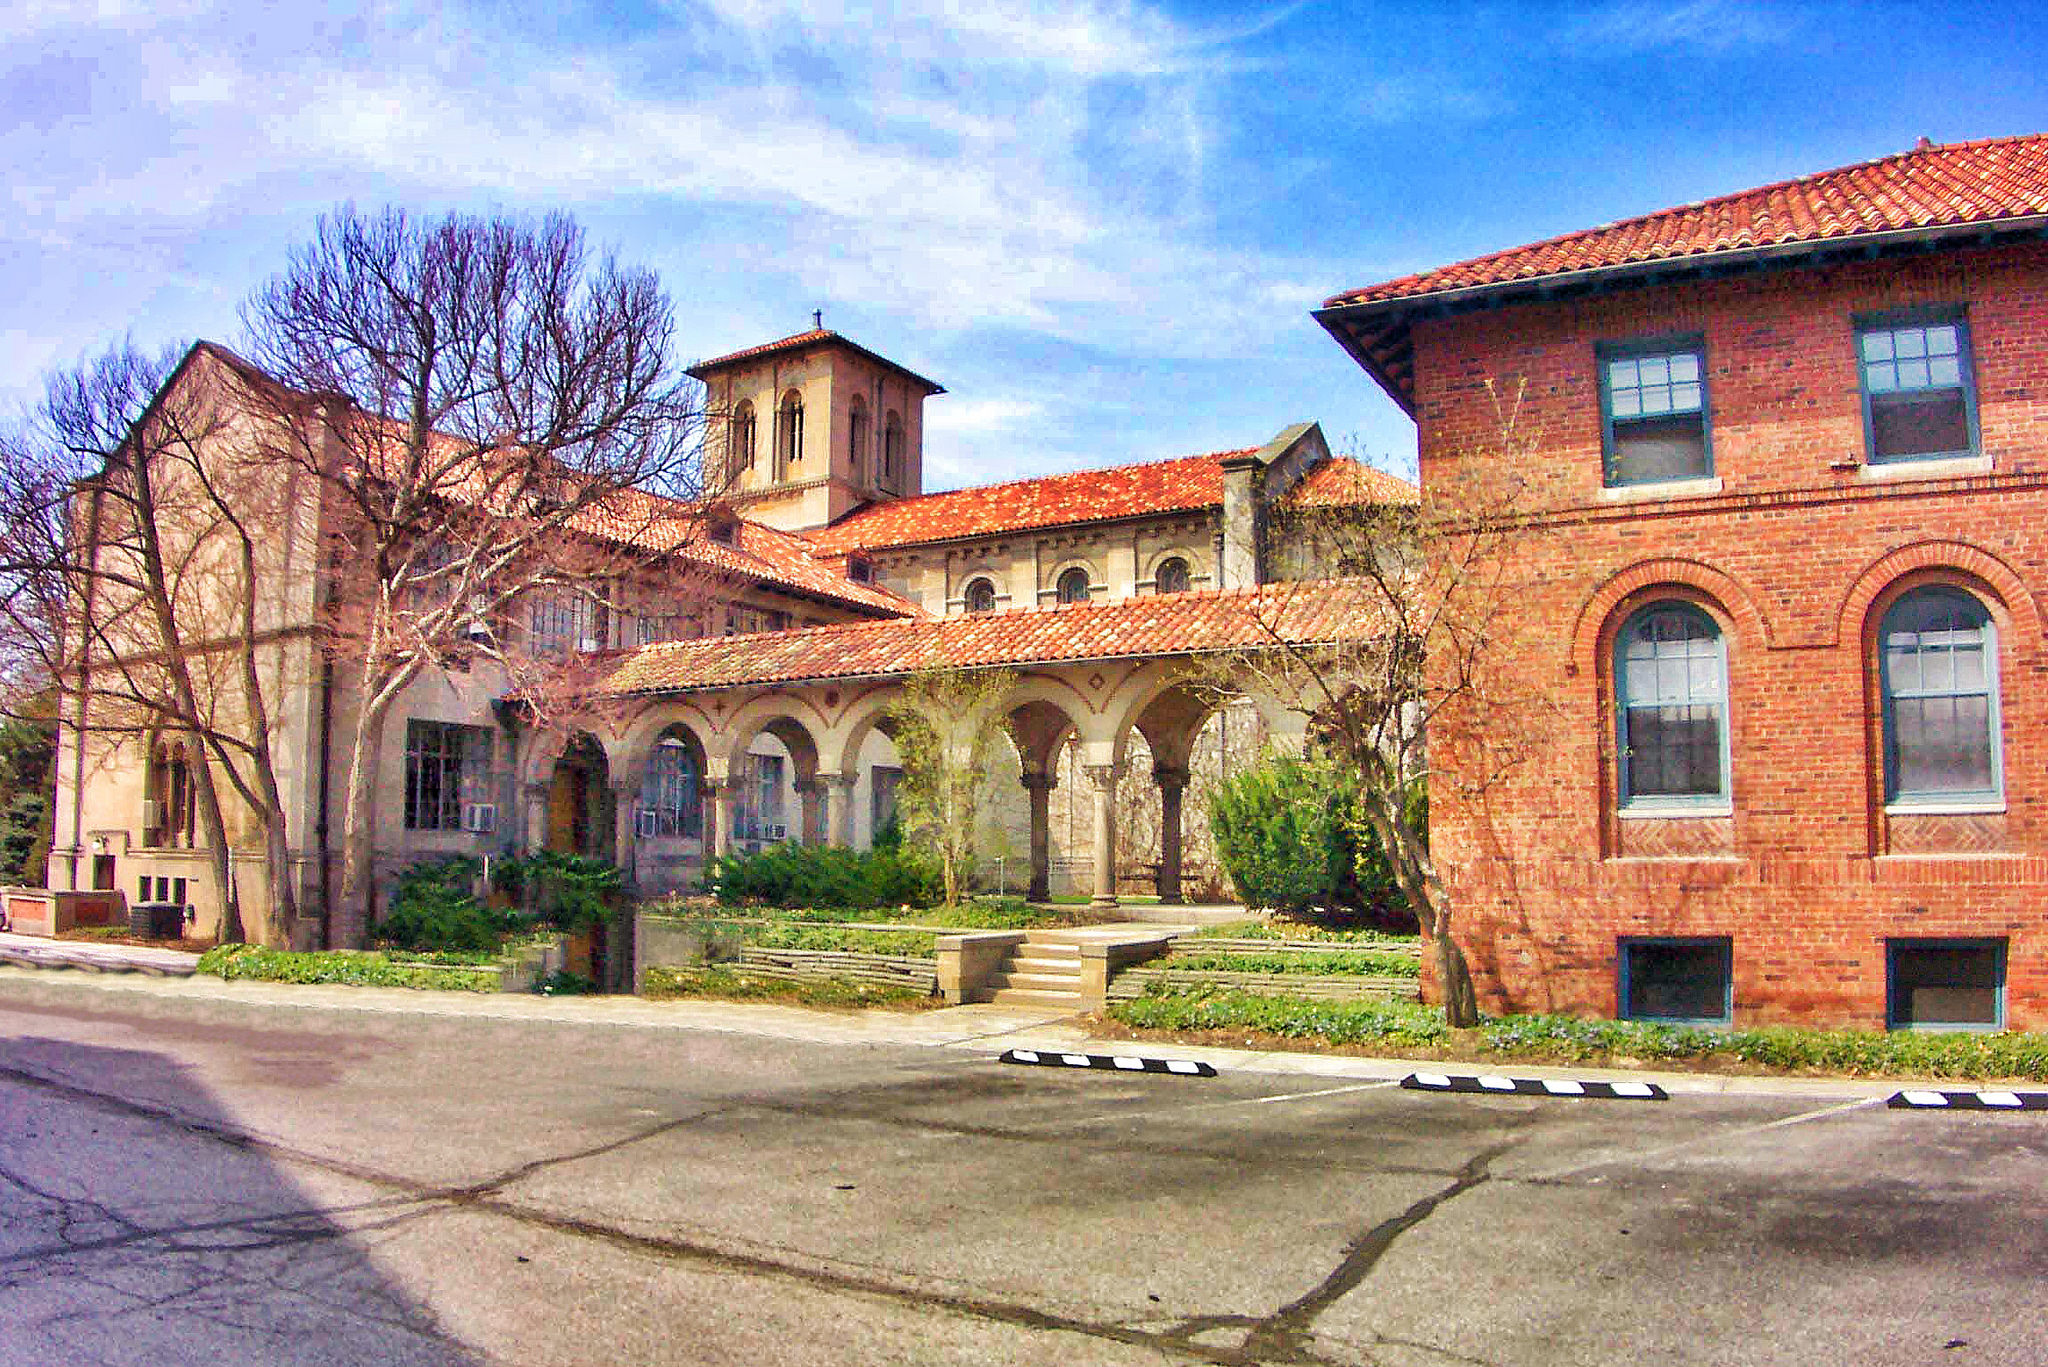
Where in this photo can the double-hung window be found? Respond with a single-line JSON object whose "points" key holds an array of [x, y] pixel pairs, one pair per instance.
{"points": [[1671, 693], [444, 764], [1918, 401], [1939, 662], [1653, 399]]}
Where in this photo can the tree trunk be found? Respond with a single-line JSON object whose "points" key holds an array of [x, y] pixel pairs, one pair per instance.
{"points": [[1454, 983], [359, 832]]}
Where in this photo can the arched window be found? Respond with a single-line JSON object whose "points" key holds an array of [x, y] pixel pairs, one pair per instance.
{"points": [[173, 799], [892, 452], [740, 446], [1073, 585], [1940, 669], [981, 595], [857, 442], [1171, 576], [1671, 692], [669, 804], [789, 434]]}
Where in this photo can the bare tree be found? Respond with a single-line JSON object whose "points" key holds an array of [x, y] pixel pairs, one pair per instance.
{"points": [[1421, 699], [140, 573], [497, 420], [949, 723]]}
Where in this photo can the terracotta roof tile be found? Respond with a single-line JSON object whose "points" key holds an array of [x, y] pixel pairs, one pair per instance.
{"points": [[1160, 486], [1955, 184], [1167, 624], [1340, 480]]}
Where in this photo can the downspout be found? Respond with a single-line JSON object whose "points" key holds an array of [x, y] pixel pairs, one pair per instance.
{"points": [[326, 779]]}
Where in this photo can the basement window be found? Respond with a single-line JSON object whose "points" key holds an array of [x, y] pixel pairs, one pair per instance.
{"points": [[1677, 981], [1653, 399], [1945, 984]]}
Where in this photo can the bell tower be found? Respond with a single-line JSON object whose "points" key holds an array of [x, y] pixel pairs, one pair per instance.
{"points": [[805, 430]]}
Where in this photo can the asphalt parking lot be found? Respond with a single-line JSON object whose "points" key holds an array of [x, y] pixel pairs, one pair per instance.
{"points": [[192, 1179]]}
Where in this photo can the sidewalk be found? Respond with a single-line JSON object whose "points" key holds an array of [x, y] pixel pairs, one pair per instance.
{"points": [[34, 951], [984, 1029]]}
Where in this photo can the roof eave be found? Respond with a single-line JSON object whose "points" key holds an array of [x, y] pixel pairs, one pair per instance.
{"points": [[1344, 321]]}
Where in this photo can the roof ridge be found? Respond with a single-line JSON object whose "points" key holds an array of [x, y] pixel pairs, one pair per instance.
{"points": [[1690, 206]]}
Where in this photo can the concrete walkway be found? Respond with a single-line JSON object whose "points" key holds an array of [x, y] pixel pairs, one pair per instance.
{"points": [[34, 951], [985, 1029]]}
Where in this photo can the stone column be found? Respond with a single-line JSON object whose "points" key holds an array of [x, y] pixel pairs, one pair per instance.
{"points": [[625, 838], [536, 797], [810, 811], [1172, 784], [725, 815], [1104, 777], [1039, 788], [838, 808]]}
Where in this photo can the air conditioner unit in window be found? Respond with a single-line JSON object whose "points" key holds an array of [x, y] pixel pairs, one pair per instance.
{"points": [[152, 814], [777, 832], [647, 823], [478, 628], [479, 816]]}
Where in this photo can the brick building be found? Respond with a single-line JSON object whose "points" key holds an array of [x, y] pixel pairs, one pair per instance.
{"points": [[1786, 455]]}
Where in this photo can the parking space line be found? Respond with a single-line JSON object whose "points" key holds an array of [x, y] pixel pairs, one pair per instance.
{"points": [[1841, 1108], [1218, 1105]]}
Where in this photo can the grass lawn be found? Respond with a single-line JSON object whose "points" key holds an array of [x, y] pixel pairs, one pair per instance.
{"points": [[356, 968]]}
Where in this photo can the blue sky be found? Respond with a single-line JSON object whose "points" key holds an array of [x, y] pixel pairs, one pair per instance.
{"points": [[1100, 225]]}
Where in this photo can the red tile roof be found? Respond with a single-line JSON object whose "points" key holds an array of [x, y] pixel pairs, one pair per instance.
{"points": [[1166, 624], [1340, 480], [1965, 183], [1160, 486], [799, 342]]}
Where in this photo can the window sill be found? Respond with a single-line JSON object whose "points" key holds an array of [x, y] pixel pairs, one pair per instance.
{"points": [[1988, 808], [1668, 488], [1667, 813], [1940, 467]]}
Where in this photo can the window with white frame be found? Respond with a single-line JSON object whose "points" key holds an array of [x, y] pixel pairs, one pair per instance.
{"points": [[1671, 695], [1654, 407], [1938, 658], [1918, 399]]}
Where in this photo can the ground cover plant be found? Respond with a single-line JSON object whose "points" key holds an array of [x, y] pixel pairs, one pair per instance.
{"points": [[1317, 963], [355, 968], [993, 913], [725, 983], [1283, 929], [1401, 1027]]}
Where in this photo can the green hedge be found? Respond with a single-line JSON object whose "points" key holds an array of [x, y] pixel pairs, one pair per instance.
{"points": [[730, 984], [815, 876], [1314, 963], [1301, 930], [1573, 1039], [352, 967]]}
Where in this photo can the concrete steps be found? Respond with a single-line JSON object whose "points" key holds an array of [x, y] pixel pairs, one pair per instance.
{"points": [[1043, 971]]}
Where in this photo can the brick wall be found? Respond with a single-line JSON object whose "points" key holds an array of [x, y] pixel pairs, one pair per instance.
{"points": [[1795, 557]]}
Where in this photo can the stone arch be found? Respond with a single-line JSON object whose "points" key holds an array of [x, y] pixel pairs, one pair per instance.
{"points": [[1185, 554], [1927, 561], [629, 755], [1067, 564], [863, 716], [784, 716], [1596, 617]]}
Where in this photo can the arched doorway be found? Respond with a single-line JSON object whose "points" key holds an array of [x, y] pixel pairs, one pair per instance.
{"points": [[580, 817]]}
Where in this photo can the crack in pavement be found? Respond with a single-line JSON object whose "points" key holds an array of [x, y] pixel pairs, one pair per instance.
{"points": [[1281, 1337]]}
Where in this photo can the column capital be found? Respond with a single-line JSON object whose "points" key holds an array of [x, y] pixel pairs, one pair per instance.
{"points": [[808, 787], [1170, 776], [1039, 782], [1103, 776], [843, 782], [536, 792]]}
